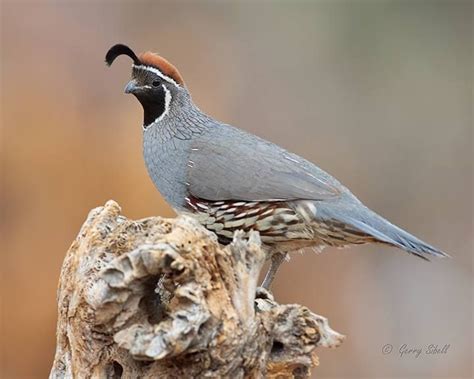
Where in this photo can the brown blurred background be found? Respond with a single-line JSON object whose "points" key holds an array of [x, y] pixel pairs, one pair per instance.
{"points": [[378, 93]]}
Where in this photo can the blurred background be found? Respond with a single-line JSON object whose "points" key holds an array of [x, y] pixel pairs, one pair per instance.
{"points": [[378, 93]]}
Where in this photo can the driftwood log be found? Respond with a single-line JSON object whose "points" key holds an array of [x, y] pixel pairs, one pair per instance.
{"points": [[160, 298]]}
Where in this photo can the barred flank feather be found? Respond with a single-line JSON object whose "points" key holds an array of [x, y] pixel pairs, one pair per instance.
{"points": [[326, 223], [275, 220]]}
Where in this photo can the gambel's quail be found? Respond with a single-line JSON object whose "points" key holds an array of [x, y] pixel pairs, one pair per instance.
{"points": [[229, 179]]}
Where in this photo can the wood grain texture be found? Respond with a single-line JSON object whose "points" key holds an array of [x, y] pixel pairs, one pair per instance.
{"points": [[161, 298]]}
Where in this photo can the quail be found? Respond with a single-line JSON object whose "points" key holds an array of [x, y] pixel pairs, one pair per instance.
{"points": [[230, 180]]}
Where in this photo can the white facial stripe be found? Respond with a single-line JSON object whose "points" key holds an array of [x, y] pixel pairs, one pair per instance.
{"points": [[167, 103], [157, 72]]}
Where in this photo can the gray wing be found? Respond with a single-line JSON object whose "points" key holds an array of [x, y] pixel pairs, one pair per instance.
{"points": [[229, 164]]}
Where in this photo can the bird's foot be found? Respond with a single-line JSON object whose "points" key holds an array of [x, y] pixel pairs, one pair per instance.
{"points": [[275, 262], [264, 294]]}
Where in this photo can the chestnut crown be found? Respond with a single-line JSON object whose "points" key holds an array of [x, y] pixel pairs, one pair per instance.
{"points": [[146, 59]]}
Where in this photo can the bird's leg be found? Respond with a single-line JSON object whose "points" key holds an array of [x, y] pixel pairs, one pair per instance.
{"points": [[276, 260]]}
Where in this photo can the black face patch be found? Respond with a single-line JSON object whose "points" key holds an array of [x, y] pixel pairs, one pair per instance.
{"points": [[153, 101]]}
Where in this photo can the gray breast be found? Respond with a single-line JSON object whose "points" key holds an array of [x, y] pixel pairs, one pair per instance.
{"points": [[166, 159]]}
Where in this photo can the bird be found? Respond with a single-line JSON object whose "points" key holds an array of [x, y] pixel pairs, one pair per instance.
{"points": [[229, 179]]}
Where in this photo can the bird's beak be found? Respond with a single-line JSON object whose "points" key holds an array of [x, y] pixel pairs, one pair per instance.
{"points": [[131, 87]]}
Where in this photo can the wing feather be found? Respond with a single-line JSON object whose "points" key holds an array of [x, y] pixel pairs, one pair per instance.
{"points": [[230, 164]]}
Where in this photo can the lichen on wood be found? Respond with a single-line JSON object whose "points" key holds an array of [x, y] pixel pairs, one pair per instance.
{"points": [[160, 298]]}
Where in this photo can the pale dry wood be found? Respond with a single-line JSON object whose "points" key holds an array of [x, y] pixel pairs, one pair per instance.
{"points": [[159, 298]]}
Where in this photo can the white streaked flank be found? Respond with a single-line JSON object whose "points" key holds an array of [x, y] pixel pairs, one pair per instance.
{"points": [[291, 159]]}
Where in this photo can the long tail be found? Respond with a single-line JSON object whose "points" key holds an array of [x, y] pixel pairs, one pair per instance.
{"points": [[367, 221]]}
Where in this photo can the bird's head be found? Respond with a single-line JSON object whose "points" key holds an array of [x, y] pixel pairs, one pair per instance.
{"points": [[155, 82]]}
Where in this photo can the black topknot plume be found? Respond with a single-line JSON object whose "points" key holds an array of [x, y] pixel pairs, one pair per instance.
{"points": [[120, 49]]}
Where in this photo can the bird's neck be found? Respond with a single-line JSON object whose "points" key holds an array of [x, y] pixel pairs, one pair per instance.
{"points": [[182, 121], [166, 148]]}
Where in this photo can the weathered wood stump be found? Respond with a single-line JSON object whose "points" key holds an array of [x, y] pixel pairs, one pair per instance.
{"points": [[160, 298]]}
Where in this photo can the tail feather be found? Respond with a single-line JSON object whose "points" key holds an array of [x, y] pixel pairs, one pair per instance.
{"points": [[366, 221], [395, 236]]}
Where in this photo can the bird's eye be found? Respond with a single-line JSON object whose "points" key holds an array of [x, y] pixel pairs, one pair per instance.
{"points": [[156, 83]]}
